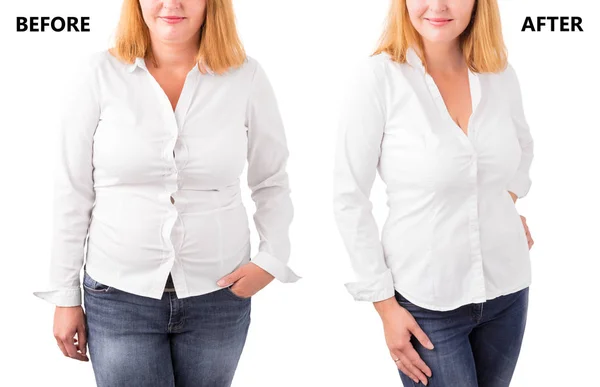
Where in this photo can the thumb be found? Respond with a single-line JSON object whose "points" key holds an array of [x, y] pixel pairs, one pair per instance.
{"points": [[421, 336], [230, 278]]}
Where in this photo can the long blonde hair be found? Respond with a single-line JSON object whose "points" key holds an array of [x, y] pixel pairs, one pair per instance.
{"points": [[220, 45], [481, 43]]}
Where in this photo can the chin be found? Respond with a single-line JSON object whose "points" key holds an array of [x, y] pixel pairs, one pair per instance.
{"points": [[172, 35], [439, 37]]}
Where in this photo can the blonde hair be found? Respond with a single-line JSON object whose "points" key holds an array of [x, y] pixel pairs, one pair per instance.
{"points": [[481, 43], [220, 46]]}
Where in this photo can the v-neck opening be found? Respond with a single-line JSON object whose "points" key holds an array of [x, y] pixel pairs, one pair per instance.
{"points": [[185, 96], [474, 90], [468, 124]]}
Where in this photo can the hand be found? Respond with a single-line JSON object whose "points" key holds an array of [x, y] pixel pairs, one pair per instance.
{"points": [[527, 233], [247, 280], [523, 220], [399, 325], [69, 321]]}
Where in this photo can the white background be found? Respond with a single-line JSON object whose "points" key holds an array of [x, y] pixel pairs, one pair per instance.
{"points": [[312, 333]]}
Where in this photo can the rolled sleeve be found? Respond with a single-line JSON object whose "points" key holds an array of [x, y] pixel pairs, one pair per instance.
{"points": [[276, 267], [64, 297], [377, 288]]}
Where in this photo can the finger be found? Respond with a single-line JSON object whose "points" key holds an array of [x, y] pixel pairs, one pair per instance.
{"points": [[416, 330], [528, 235], [79, 349], [244, 287], [415, 359], [406, 372], [412, 368], [62, 347], [71, 349], [235, 288], [230, 278], [82, 336]]}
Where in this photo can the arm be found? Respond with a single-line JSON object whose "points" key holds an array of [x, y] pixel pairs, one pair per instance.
{"points": [[360, 133], [521, 181], [268, 180], [73, 190]]}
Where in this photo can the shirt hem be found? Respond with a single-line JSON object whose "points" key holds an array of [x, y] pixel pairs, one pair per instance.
{"points": [[445, 308], [124, 288]]}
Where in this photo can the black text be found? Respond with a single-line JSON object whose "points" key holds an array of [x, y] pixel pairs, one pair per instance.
{"points": [[553, 23], [57, 24]]}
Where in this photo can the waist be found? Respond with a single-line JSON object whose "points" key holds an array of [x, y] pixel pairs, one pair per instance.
{"points": [[135, 200]]}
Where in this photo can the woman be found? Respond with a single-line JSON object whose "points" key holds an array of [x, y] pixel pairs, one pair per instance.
{"points": [[437, 111], [156, 133]]}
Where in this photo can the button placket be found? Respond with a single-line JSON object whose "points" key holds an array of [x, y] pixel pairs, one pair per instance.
{"points": [[475, 240], [474, 236], [175, 120], [179, 150]]}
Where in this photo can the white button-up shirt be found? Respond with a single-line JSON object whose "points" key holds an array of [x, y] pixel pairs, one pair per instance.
{"points": [[124, 153], [453, 235]]}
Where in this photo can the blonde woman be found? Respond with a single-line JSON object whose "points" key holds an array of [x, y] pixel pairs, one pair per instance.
{"points": [[155, 134], [437, 111]]}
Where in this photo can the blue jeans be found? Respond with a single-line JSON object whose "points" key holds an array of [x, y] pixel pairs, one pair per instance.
{"points": [[140, 341], [476, 345]]}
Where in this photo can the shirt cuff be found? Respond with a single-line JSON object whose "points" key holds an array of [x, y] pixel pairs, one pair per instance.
{"points": [[377, 288], [519, 185], [275, 267], [62, 297]]}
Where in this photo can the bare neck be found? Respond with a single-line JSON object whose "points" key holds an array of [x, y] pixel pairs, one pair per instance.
{"points": [[444, 58], [174, 57]]}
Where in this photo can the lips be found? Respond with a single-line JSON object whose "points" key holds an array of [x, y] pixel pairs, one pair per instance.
{"points": [[438, 21], [172, 19]]}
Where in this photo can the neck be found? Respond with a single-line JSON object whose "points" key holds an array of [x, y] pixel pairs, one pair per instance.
{"points": [[444, 57], [175, 56]]}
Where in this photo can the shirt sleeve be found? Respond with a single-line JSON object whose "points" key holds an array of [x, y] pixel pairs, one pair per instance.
{"points": [[268, 179], [73, 188], [521, 181], [358, 148]]}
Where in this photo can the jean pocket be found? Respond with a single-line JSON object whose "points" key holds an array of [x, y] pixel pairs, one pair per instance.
{"points": [[94, 286], [233, 295], [401, 299]]}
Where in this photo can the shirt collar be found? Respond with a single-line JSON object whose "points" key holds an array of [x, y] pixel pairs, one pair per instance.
{"points": [[140, 62], [412, 58]]}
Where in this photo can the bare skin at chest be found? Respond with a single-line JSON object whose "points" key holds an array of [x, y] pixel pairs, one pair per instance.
{"points": [[455, 90]]}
